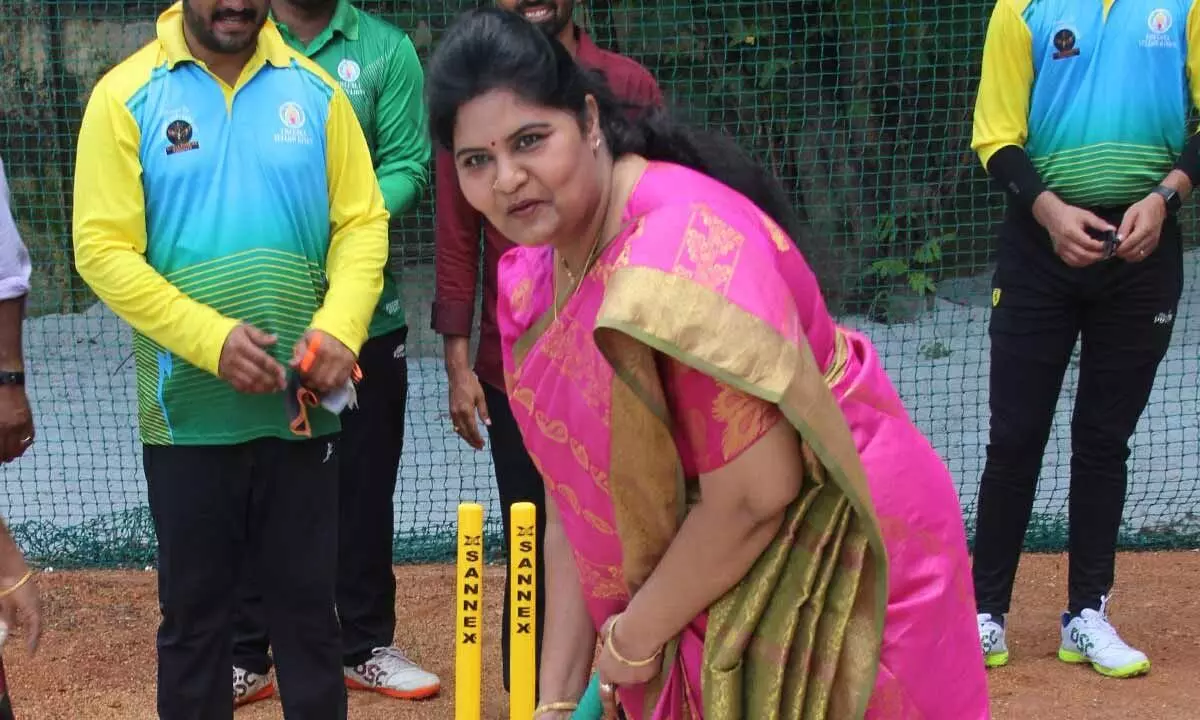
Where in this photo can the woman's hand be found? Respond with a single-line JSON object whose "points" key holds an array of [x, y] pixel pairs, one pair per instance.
{"points": [[567, 653], [742, 506], [19, 599], [554, 715], [623, 663], [21, 606]]}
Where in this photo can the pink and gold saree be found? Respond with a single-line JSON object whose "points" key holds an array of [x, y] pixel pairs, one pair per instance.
{"points": [[699, 327]]}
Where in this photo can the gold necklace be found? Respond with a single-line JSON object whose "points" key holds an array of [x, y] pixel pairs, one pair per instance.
{"points": [[575, 284], [586, 265]]}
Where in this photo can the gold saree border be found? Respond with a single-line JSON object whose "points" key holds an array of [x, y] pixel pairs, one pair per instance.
{"points": [[646, 481], [529, 338], [705, 330], [645, 474]]}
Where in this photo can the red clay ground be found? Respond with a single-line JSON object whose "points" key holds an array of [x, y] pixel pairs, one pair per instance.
{"points": [[97, 658]]}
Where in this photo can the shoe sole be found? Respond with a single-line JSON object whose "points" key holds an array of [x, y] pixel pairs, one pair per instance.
{"points": [[995, 660], [1127, 671], [418, 694], [266, 692]]}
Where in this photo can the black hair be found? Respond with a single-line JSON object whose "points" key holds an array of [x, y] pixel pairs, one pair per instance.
{"points": [[492, 49]]}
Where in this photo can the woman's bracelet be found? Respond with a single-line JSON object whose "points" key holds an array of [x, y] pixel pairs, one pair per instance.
{"points": [[564, 706], [612, 648], [24, 579]]}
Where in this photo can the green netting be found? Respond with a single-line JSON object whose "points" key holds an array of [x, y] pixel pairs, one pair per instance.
{"points": [[864, 109]]}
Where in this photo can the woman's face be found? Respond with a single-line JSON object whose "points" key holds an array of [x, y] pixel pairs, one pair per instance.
{"points": [[530, 170]]}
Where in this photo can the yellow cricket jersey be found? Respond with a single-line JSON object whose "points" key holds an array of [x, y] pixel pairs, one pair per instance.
{"points": [[199, 206]]}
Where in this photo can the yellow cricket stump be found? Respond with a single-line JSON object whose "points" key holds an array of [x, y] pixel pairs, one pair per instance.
{"points": [[468, 657], [522, 651]]}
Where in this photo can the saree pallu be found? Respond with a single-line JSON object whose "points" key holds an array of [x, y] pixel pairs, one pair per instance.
{"points": [[862, 603]]}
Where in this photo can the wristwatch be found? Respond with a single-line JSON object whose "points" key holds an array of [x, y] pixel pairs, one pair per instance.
{"points": [[1170, 197], [12, 378]]}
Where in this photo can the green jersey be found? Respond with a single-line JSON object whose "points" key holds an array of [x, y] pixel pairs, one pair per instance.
{"points": [[376, 64]]}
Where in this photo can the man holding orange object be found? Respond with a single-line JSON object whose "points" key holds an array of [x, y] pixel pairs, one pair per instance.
{"points": [[377, 65], [227, 283]]}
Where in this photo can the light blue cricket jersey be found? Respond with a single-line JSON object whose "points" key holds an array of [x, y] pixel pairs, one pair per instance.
{"points": [[1109, 107]]}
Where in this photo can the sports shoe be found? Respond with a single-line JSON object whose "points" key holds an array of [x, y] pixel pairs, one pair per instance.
{"points": [[390, 673], [992, 640], [1090, 638], [250, 687]]}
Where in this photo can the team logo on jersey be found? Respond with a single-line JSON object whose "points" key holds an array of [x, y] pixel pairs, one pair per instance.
{"points": [[1064, 43], [1159, 21], [348, 70], [179, 134], [291, 115], [293, 119]]}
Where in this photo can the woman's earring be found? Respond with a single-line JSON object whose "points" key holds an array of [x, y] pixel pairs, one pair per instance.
{"points": [[596, 146]]}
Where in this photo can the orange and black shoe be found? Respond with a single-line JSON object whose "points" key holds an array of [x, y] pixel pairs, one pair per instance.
{"points": [[251, 687], [389, 672]]}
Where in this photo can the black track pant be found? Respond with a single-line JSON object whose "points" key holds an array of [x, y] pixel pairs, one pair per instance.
{"points": [[372, 439], [1124, 314], [272, 503]]}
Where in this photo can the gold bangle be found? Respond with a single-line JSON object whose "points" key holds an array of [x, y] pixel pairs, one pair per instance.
{"points": [[541, 710], [612, 648], [24, 579]]}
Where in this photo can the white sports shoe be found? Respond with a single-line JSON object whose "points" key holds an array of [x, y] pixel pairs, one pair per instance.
{"points": [[250, 687], [1091, 638], [390, 673], [992, 640]]}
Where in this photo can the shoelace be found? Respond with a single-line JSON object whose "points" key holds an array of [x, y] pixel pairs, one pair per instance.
{"points": [[392, 660], [1101, 631]]}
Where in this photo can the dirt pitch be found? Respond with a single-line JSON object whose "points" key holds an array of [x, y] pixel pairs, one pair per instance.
{"points": [[97, 660]]}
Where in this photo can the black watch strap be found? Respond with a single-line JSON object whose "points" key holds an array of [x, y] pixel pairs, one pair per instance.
{"points": [[12, 378], [1171, 197]]}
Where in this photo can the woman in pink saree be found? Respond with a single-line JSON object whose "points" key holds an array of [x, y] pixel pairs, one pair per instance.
{"points": [[738, 505]]}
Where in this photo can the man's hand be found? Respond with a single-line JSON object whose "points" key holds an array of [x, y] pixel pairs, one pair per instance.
{"points": [[1068, 228], [323, 361], [247, 366], [16, 423], [466, 399], [1141, 228]]}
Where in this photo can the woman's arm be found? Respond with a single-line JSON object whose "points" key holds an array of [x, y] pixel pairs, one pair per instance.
{"points": [[741, 507], [569, 639], [22, 603]]}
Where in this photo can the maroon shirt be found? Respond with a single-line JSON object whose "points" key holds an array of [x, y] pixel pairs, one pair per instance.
{"points": [[457, 226]]}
